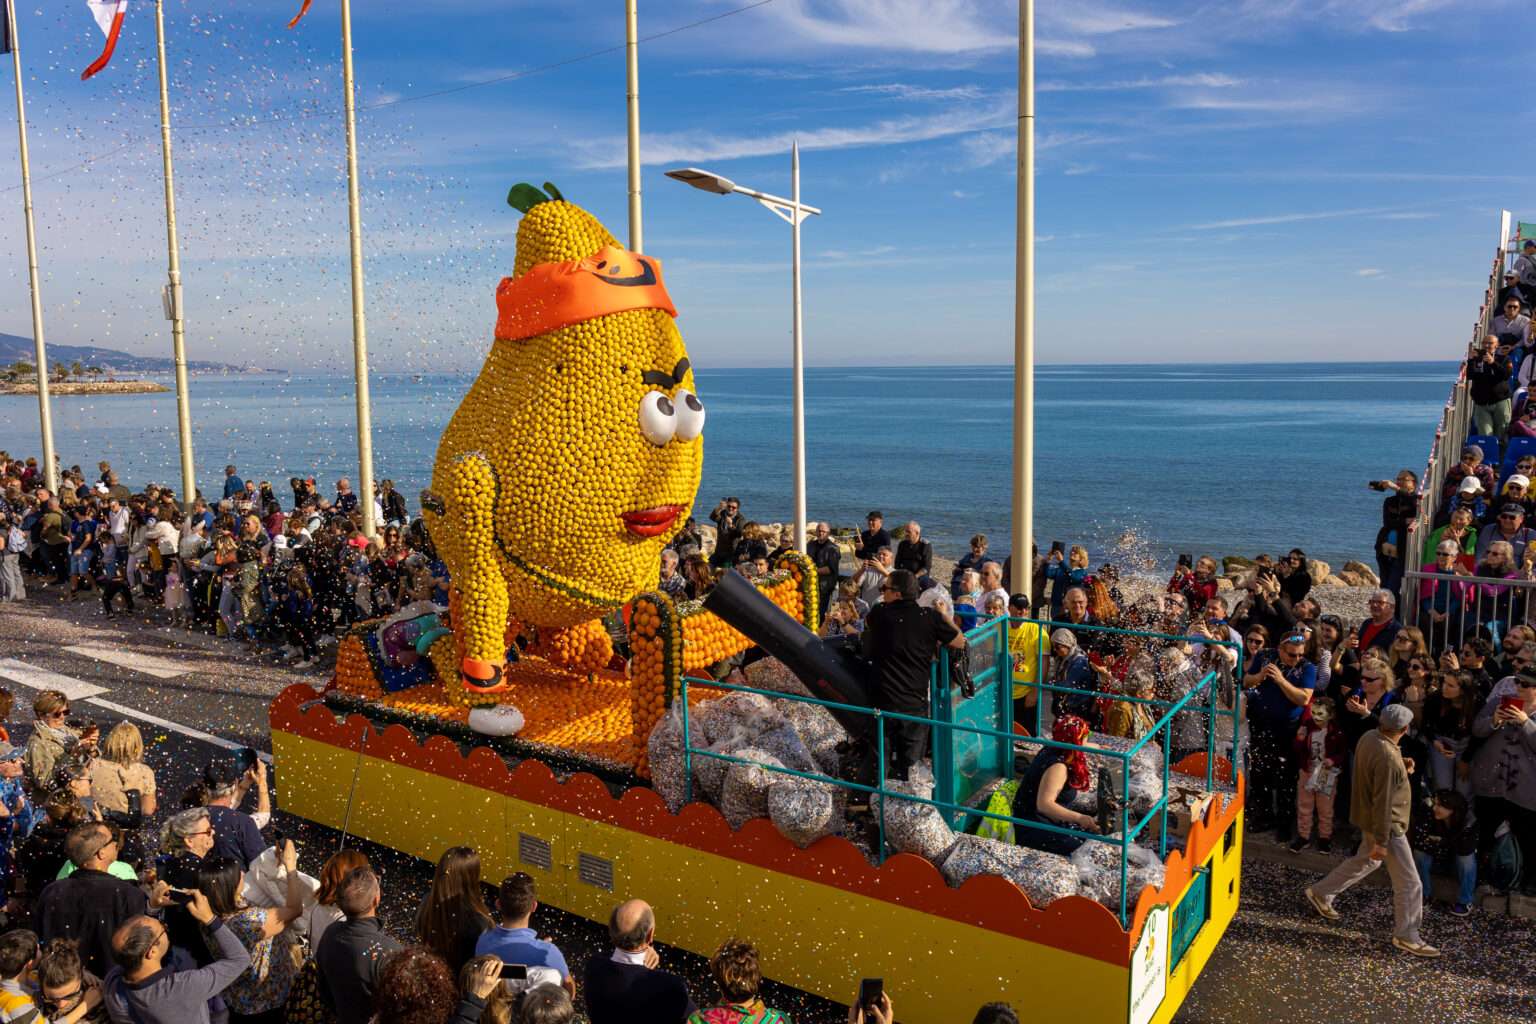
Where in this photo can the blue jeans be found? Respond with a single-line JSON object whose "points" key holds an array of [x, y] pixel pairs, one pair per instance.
{"points": [[1466, 875]]}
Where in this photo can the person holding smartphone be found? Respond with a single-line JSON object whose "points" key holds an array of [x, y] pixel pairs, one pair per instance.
{"points": [[1504, 769]]}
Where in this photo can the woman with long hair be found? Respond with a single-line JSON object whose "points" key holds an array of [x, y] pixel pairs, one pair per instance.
{"points": [[259, 995], [1048, 792], [1408, 643], [454, 914], [1447, 729]]}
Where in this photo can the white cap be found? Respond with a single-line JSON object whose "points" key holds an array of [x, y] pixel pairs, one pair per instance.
{"points": [[1518, 478], [1471, 485]]}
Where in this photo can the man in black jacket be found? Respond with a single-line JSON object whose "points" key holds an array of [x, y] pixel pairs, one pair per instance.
{"points": [[901, 638], [728, 522], [352, 952], [827, 557], [872, 539], [90, 904], [628, 984], [1488, 375], [915, 554]]}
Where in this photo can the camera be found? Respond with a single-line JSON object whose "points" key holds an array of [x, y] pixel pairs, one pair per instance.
{"points": [[1377, 485]]}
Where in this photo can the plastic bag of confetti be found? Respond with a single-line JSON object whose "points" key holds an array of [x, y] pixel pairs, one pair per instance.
{"points": [[910, 826], [773, 674], [664, 749], [1042, 876], [783, 742], [745, 793], [804, 810], [819, 731], [709, 772], [1098, 871]]}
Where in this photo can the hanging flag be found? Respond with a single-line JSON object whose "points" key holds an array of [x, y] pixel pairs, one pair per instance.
{"points": [[109, 18], [302, 11]]}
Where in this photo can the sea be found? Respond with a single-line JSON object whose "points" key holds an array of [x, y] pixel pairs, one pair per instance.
{"points": [[1139, 463]]}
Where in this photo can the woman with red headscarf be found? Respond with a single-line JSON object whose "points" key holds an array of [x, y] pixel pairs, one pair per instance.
{"points": [[1049, 790]]}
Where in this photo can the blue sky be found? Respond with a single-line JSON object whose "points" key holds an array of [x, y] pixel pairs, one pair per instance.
{"points": [[1244, 181]]}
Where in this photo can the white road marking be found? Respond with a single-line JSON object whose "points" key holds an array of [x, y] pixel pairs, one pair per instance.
{"points": [[160, 668], [42, 679], [185, 730], [80, 691]]}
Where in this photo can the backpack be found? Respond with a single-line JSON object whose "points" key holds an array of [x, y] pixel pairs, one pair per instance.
{"points": [[1504, 862]]}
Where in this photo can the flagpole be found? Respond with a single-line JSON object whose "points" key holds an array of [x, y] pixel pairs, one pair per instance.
{"points": [[1024, 316], [632, 51], [359, 326], [178, 331], [45, 415]]}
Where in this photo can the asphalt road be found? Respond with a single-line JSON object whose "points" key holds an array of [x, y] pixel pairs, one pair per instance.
{"points": [[191, 694]]}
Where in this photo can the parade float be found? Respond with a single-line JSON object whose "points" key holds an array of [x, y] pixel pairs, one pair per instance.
{"points": [[559, 716]]}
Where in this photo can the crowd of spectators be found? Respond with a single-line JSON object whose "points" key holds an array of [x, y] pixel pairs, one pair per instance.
{"points": [[241, 567]]}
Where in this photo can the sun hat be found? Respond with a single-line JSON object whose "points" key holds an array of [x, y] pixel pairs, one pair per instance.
{"points": [[1471, 485]]}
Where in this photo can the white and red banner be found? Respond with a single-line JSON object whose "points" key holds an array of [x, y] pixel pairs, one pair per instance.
{"points": [[109, 18]]}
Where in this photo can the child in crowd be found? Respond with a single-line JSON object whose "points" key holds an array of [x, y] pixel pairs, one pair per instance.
{"points": [[176, 599], [298, 617], [114, 582], [1064, 577], [1445, 830], [1320, 753]]}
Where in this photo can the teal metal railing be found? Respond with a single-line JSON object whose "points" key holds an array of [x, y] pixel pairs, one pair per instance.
{"points": [[1204, 692]]}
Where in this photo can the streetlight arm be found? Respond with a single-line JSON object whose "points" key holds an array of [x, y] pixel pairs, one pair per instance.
{"points": [[772, 200]]}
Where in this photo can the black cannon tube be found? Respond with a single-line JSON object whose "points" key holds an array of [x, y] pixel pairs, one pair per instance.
{"points": [[816, 665]]}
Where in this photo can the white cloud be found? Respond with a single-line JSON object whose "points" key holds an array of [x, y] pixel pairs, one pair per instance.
{"points": [[857, 254], [1291, 218], [1090, 20], [1071, 170], [914, 26], [1206, 80], [903, 91], [677, 147], [1369, 272]]}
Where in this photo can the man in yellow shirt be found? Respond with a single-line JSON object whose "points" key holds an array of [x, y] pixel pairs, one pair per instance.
{"points": [[1024, 640]]}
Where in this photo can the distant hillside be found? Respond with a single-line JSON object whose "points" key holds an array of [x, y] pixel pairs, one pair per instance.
{"points": [[14, 347]]}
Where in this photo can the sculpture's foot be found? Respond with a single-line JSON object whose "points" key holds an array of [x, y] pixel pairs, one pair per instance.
{"points": [[498, 720]]}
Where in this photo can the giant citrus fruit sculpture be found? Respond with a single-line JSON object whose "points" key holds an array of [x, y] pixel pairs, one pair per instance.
{"points": [[575, 455]]}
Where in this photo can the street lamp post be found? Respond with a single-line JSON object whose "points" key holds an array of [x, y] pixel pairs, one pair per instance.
{"points": [[792, 211]]}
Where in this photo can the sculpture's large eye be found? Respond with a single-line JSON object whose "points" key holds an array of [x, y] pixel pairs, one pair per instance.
{"points": [[658, 419], [690, 415]]}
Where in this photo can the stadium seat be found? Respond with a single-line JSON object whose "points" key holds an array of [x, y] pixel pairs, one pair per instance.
{"points": [[1518, 446], [1489, 445]]}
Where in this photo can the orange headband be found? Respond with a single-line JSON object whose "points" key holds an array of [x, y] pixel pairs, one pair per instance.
{"points": [[555, 295]]}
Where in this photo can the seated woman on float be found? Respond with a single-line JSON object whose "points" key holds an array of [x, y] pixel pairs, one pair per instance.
{"points": [[1049, 790]]}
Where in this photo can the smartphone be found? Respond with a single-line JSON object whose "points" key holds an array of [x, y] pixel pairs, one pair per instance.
{"points": [[1376, 485], [1187, 561], [870, 990], [180, 897], [1058, 546], [1510, 702], [247, 758], [514, 972]]}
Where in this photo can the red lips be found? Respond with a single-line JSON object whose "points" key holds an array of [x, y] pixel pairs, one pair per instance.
{"points": [[651, 522]]}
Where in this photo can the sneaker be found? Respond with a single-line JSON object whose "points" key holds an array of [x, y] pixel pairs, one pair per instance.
{"points": [[306, 663], [1419, 949], [1325, 846], [1461, 909], [1298, 844], [1324, 908]]}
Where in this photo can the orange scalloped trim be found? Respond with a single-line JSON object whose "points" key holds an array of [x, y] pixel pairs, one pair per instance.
{"points": [[1074, 924]]}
